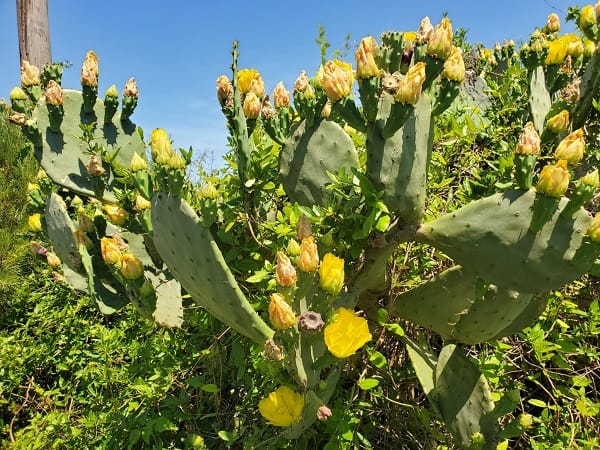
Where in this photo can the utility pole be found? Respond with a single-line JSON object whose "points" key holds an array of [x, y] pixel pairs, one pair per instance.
{"points": [[34, 32]]}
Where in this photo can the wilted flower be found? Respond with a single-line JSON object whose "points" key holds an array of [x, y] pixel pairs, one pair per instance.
{"points": [[30, 75], [251, 106], [301, 83], [249, 80], [89, 70], [553, 23], [310, 322], [303, 227], [160, 146], [337, 79], [424, 32], [111, 253], [53, 94], [37, 249], [365, 55], [285, 273], [326, 111], [559, 122], [224, 89], [346, 333], [571, 148], [308, 261], [282, 407], [273, 351], [529, 141], [409, 88], [281, 314], [94, 166], [454, 66], [594, 228], [137, 163], [440, 43], [323, 413], [53, 260], [18, 118], [554, 179], [131, 267], [116, 214], [331, 274], [141, 203], [281, 96], [131, 89], [587, 17], [34, 222]]}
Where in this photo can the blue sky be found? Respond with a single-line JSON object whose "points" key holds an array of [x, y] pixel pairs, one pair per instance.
{"points": [[177, 49]]}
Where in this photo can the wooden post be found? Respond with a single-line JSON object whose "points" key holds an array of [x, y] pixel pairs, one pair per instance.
{"points": [[34, 32]]}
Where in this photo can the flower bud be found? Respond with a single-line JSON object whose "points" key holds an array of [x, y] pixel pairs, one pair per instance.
{"points": [[17, 94], [587, 17], [131, 89], [285, 273], [571, 148], [111, 253], [249, 80], [589, 47], [89, 70], [337, 79], [409, 88], [326, 111], [529, 141], [160, 146], [251, 106], [94, 166], [553, 23], [281, 314], [53, 94], [424, 32], [137, 163], [591, 179], [281, 96], [440, 43], [116, 214], [224, 89], [310, 322], [594, 228], [53, 260], [323, 413], [559, 122], [131, 267], [554, 179], [301, 84], [141, 203], [308, 261], [331, 274], [176, 161], [365, 55], [525, 421], [293, 248], [30, 75], [112, 92], [34, 222], [454, 66], [208, 190]]}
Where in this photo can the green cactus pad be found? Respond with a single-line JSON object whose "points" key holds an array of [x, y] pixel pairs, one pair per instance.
{"points": [[195, 260], [539, 98], [308, 154], [62, 155], [492, 238]]}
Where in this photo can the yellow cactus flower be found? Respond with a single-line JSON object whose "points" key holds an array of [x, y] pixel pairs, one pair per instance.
{"points": [[282, 408], [176, 161], [571, 148], [331, 274], [35, 222], [308, 261], [131, 89], [589, 47], [587, 17], [116, 214], [285, 273], [409, 87], [281, 314], [454, 66], [208, 190], [137, 163], [224, 89], [440, 43], [33, 187], [89, 70], [346, 333], [53, 94], [111, 253], [249, 80], [30, 75], [112, 91], [337, 79], [553, 23], [559, 122], [281, 96], [529, 142], [251, 106], [593, 231], [160, 146], [575, 46], [17, 93], [409, 38], [554, 179], [53, 260], [365, 55], [424, 32], [131, 267], [557, 51], [141, 203]]}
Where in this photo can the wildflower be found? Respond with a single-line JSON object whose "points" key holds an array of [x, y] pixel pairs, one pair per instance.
{"points": [[111, 254], [281, 96], [141, 203], [30, 75], [293, 248], [249, 80], [553, 23], [454, 66], [17, 94], [331, 274], [53, 94], [557, 51], [35, 222], [131, 267], [301, 84], [112, 91], [587, 17], [208, 190], [571, 147], [559, 122], [285, 273], [89, 70], [160, 146], [337, 79], [116, 214], [591, 179], [251, 106], [440, 42], [529, 141], [593, 231], [554, 179], [224, 89], [409, 87], [365, 55], [281, 314], [137, 163], [176, 161], [424, 32], [283, 407], [308, 261], [346, 333]]}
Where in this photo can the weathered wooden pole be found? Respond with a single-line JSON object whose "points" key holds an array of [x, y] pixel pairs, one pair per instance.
{"points": [[34, 32]]}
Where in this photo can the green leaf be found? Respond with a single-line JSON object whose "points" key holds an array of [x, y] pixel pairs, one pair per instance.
{"points": [[226, 436], [536, 402], [394, 328], [368, 383], [378, 360], [212, 388]]}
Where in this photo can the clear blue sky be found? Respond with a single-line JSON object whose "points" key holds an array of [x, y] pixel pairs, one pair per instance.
{"points": [[177, 49]]}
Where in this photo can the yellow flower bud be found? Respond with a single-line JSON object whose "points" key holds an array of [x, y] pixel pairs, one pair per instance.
{"points": [[529, 141], [224, 89], [408, 39], [249, 80], [208, 190], [440, 43], [17, 94], [553, 23], [116, 214], [112, 91], [282, 407], [454, 66], [94, 166], [160, 146], [554, 179], [141, 203], [53, 260], [111, 253], [571, 148], [593, 231], [281, 96], [558, 123], [281, 314], [293, 248], [89, 70], [337, 79], [346, 333], [424, 32], [176, 161], [251, 106], [575, 47], [35, 222], [308, 261], [33, 187], [30, 75], [53, 94], [331, 274], [409, 87], [587, 17], [589, 47], [131, 267], [365, 55], [137, 163], [285, 273], [591, 179]]}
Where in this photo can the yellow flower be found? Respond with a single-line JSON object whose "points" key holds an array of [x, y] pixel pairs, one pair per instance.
{"points": [[557, 49], [137, 163], [440, 43], [293, 248], [53, 260], [53, 94], [112, 91], [408, 38], [331, 274], [365, 55], [559, 122], [529, 141], [251, 106], [575, 47], [587, 17], [141, 203], [346, 333], [591, 179], [554, 179], [30, 75], [337, 79], [282, 407], [571, 147], [454, 66], [409, 87], [281, 96], [594, 229], [131, 89], [35, 222], [281, 314], [249, 80], [116, 214], [553, 23], [111, 254], [131, 267], [160, 146], [17, 93], [208, 190], [285, 274], [308, 261]]}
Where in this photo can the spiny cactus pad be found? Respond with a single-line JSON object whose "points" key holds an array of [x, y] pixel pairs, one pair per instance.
{"points": [[63, 155], [194, 259], [308, 154]]}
